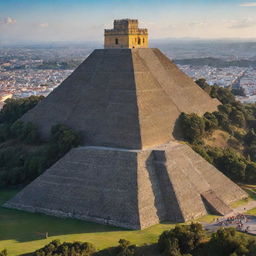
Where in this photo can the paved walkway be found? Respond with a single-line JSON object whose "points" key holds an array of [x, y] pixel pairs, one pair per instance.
{"points": [[251, 220]]}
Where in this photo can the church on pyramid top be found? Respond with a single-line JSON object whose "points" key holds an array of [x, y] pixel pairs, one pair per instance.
{"points": [[126, 34]]}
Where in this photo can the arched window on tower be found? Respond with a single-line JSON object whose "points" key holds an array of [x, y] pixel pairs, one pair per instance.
{"points": [[116, 40], [139, 40], [143, 40]]}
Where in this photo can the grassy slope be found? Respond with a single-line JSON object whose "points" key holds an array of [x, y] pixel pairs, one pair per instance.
{"points": [[19, 231], [218, 138]]}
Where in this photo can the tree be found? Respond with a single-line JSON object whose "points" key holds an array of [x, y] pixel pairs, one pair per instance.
{"points": [[26, 132], [237, 117], [224, 95], [125, 248], [232, 165], [204, 85], [64, 138], [183, 239], [211, 122], [55, 248], [201, 151], [238, 91], [250, 137], [223, 121], [15, 108], [193, 127], [251, 151], [250, 173], [225, 108], [226, 242]]}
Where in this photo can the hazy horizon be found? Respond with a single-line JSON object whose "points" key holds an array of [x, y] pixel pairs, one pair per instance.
{"points": [[85, 20]]}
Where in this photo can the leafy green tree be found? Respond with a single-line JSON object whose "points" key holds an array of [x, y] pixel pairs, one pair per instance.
{"points": [[232, 165], [31, 134], [224, 95], [4, 132], [204, 85], [193, 127], [64, 138], [223, 121], [237, 117], [211, 122], [250, 137], [227, 242], [234, 143], [239, 91], [55, 248], [202, 151], [225, 109], [183, 239], [251, 151], [250, 173], [15, 108], [125, 248], [26, 132]]}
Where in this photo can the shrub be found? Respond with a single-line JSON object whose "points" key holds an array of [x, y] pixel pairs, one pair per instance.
{"points": [[211, 122], [20, 164], [227, 242], [4, 132], [250, 137], [55, 248], [204, 85], [3, 253], [201, 151], [15, 108], [25, 132], [234, 143], [125, 248], [237, 118], [181, 240], [251, 151], [232, 165], [64, 138], [192, 126], [250, 173]]}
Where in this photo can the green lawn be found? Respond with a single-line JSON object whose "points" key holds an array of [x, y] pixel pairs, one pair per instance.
{"points": [[208, 218], [20, 231], [250, 190], [252, 212]]}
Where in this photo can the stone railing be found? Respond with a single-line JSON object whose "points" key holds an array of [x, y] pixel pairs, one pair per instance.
{"points": [[140, 31]]}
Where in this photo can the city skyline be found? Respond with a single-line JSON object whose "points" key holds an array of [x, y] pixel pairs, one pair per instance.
{"points": [[84, 20]]}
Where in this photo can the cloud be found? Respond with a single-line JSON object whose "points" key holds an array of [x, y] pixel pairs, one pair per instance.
{"points": [[251, 4], [44, 25], [244, 23], [188, 26], [197, 24], [7, 21]]}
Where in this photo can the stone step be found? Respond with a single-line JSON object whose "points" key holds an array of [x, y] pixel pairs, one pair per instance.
{"points": [[214, 203]]}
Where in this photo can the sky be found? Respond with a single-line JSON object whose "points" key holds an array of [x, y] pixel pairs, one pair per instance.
{"points": [[85, 20]]}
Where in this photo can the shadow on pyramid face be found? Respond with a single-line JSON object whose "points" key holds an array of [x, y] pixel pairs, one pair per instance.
{"points": [[165, 201], [177, 131]]}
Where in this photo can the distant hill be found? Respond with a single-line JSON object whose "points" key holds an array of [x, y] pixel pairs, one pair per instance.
{"points": [[215, 62]]}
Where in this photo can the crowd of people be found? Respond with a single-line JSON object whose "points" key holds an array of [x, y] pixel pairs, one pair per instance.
{"points": [[240, 221]]}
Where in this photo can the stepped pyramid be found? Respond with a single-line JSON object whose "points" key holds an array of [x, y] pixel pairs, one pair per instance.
{"points": [[126, 100]]}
